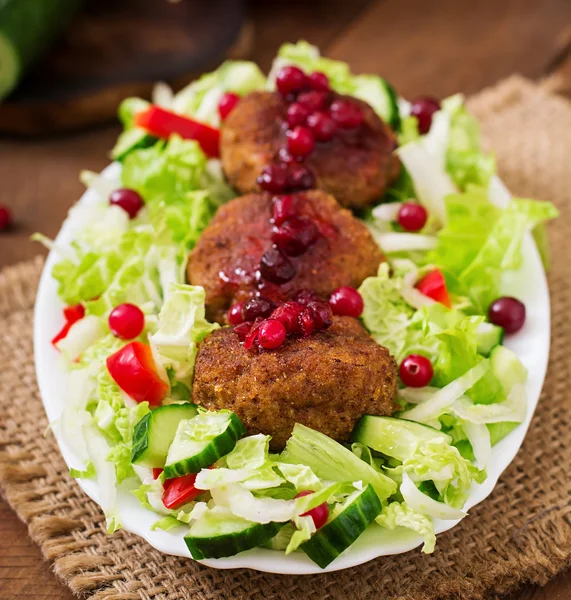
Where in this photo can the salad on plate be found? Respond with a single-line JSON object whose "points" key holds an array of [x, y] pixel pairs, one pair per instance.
{"points": [[282, 320]]}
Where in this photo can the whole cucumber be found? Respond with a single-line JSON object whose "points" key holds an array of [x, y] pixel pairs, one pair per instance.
{"points": [[26, 28]]}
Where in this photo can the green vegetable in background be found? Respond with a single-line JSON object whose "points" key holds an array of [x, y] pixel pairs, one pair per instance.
{"points": [[27, 27]]}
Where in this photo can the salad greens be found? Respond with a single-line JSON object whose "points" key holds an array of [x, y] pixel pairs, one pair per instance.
{"points": [[473, 236]]}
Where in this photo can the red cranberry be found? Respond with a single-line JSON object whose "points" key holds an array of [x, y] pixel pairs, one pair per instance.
{"points": [[290, 80], [284, 207], [288, 314], [300, 141], [252, 336], [273, 179], [322, 315], [423, 109], [322, 126], [5, 218], [346, 301], [312, 100], [304, 297], [129, 200], [257, 308], [306, 322], [235, 314], [295, 235], [243, 330], [126, 321], [319, 514], [227, 104], [346, 113], [416, 371], [276, 267], [507, 312], [271, 334], [412, 216], [300, 178], [296, 114], [319, 81]]}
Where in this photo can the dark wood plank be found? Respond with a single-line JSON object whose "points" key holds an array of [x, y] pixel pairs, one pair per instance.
{"points": [[23, 571], [440, 48]]}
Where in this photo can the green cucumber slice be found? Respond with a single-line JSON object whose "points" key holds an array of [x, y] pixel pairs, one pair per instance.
{"points": [[395, 437], [345, 525], [26, 28], [199, 442], [219, 533], [154, 433], [381, 96], [488, 337]]}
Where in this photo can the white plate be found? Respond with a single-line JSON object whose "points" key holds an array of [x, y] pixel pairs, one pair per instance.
{"points": [[531, 345]]}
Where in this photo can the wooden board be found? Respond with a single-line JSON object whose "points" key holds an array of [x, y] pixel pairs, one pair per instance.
{"points": [[438, 48], [115, 49]]}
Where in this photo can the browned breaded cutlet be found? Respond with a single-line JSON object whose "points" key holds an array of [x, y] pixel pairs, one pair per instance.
{"points": [[326, 381], [227, 255], [356, 166]]}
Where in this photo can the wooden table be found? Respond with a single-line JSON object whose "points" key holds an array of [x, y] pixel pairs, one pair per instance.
{"points": [[423, 47]]}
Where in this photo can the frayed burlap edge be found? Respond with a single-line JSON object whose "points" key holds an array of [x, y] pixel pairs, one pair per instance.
{"points": [[522, 533]]}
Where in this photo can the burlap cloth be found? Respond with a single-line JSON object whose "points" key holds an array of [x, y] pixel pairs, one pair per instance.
{"points": [[521, 533]]}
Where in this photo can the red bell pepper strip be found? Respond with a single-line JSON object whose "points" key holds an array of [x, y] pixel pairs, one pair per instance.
{"points": [[433, 285], [180, 490], [163, 123], [157, 472], [133, 369], [72, 314]]}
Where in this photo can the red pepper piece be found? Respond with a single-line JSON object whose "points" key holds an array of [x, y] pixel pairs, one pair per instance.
{"points": [[180, 490], [433, 285], [163, 123], [133, 369]]}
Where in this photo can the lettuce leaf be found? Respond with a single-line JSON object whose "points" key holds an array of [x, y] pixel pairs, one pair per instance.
{"points": [[399, 514]]}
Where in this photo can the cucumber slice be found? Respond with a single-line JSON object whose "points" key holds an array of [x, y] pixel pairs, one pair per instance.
{"points": [[488, 337], [507, 367], [381, 96], [199, 442], [129, 140], [395, 437], [345, 525], [26, 28], [155, 432], [219, 533]]}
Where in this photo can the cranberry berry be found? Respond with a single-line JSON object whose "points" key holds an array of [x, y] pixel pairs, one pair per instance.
{"points": [[273, 179], [416, 371], [129, 200], [412, 216], [288, 314], [296, 114], [243, 330], [423, 109], [319, 81], [257, 308], [290, 80], [507, 312], [300, 178], [306, 322], [346, 113], [312, 100], [126, 321], [284, 207], [235, 314], [227, 104], [5, 218], [322, 314], [322, 126], [295, 235], [304, 297], [346, 301], [276, 267], [300, 141], [271, 334]]}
